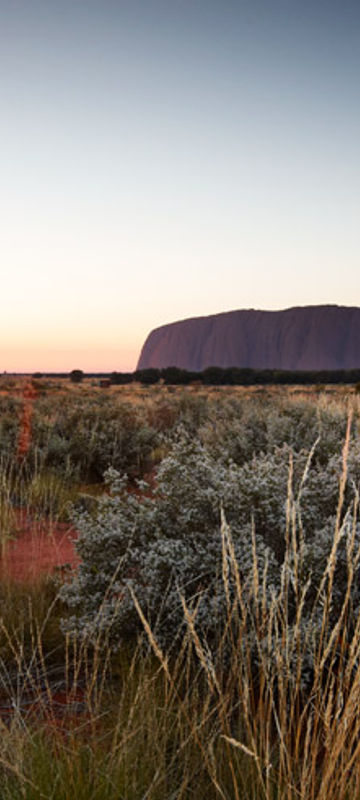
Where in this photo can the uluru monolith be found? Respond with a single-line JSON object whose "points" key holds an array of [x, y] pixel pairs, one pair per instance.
{"points": [[322, 337]]}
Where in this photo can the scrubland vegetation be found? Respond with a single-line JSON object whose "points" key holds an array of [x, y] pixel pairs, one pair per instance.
{"points": [[208, 645]]}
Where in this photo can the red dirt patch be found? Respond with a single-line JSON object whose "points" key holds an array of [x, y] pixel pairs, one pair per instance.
{"points": [[39, 548], [61, 711]]}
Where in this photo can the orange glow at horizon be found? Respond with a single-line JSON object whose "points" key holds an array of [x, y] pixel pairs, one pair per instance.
{"points": [[191, 159], [41, 359]]}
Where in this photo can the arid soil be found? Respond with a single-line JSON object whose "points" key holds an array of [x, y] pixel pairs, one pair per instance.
{"points": [[39, 548]]}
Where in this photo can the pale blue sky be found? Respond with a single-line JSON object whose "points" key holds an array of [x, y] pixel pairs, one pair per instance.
{"points": [[161, 160]]}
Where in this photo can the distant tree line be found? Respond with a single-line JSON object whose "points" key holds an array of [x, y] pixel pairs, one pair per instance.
{"points": [[215, 376], [235, 376]]}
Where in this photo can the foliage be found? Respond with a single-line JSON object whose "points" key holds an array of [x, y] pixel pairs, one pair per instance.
{"points": [[167, 545], [76, 376], [120, 378], [89, 435], [147, 376], [206, 654]]}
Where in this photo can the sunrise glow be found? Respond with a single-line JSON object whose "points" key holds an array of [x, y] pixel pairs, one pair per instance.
{"points": [[163, 160]]}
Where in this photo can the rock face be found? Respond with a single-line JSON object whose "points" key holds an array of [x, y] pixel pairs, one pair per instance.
{"points": [[309, 338]]}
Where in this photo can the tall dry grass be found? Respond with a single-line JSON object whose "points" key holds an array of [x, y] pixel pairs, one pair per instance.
{"points": [[269, 726], [271, 714]]}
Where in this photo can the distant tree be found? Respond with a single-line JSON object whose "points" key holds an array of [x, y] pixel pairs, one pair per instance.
{"points": [[241, 376], [175, 375], [76, 376], [120, 378], [147, 376], [215, 376]]}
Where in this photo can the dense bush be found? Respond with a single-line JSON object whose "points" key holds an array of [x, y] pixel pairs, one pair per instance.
{"points": [[238, 428], [281, 504], [87, 435]]}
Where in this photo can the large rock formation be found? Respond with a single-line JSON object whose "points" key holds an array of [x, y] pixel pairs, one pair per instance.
{"points": [[308, 338]]}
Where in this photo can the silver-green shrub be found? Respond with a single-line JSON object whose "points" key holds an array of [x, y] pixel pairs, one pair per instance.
{"points": [[282, 506], [87, 435]]}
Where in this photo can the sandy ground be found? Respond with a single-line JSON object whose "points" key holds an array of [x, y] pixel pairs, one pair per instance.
{"points": [[39, 548]]}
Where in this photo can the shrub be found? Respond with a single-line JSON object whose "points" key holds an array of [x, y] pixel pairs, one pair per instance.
{"points": [[76, 376], [168, 545], [84, 436], [241, 428]]}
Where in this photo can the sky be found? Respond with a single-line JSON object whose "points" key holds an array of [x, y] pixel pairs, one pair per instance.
{"points": [[165, 159]]}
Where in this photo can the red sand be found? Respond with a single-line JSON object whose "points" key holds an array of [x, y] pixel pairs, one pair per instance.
{"points": [[39, 548]]}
